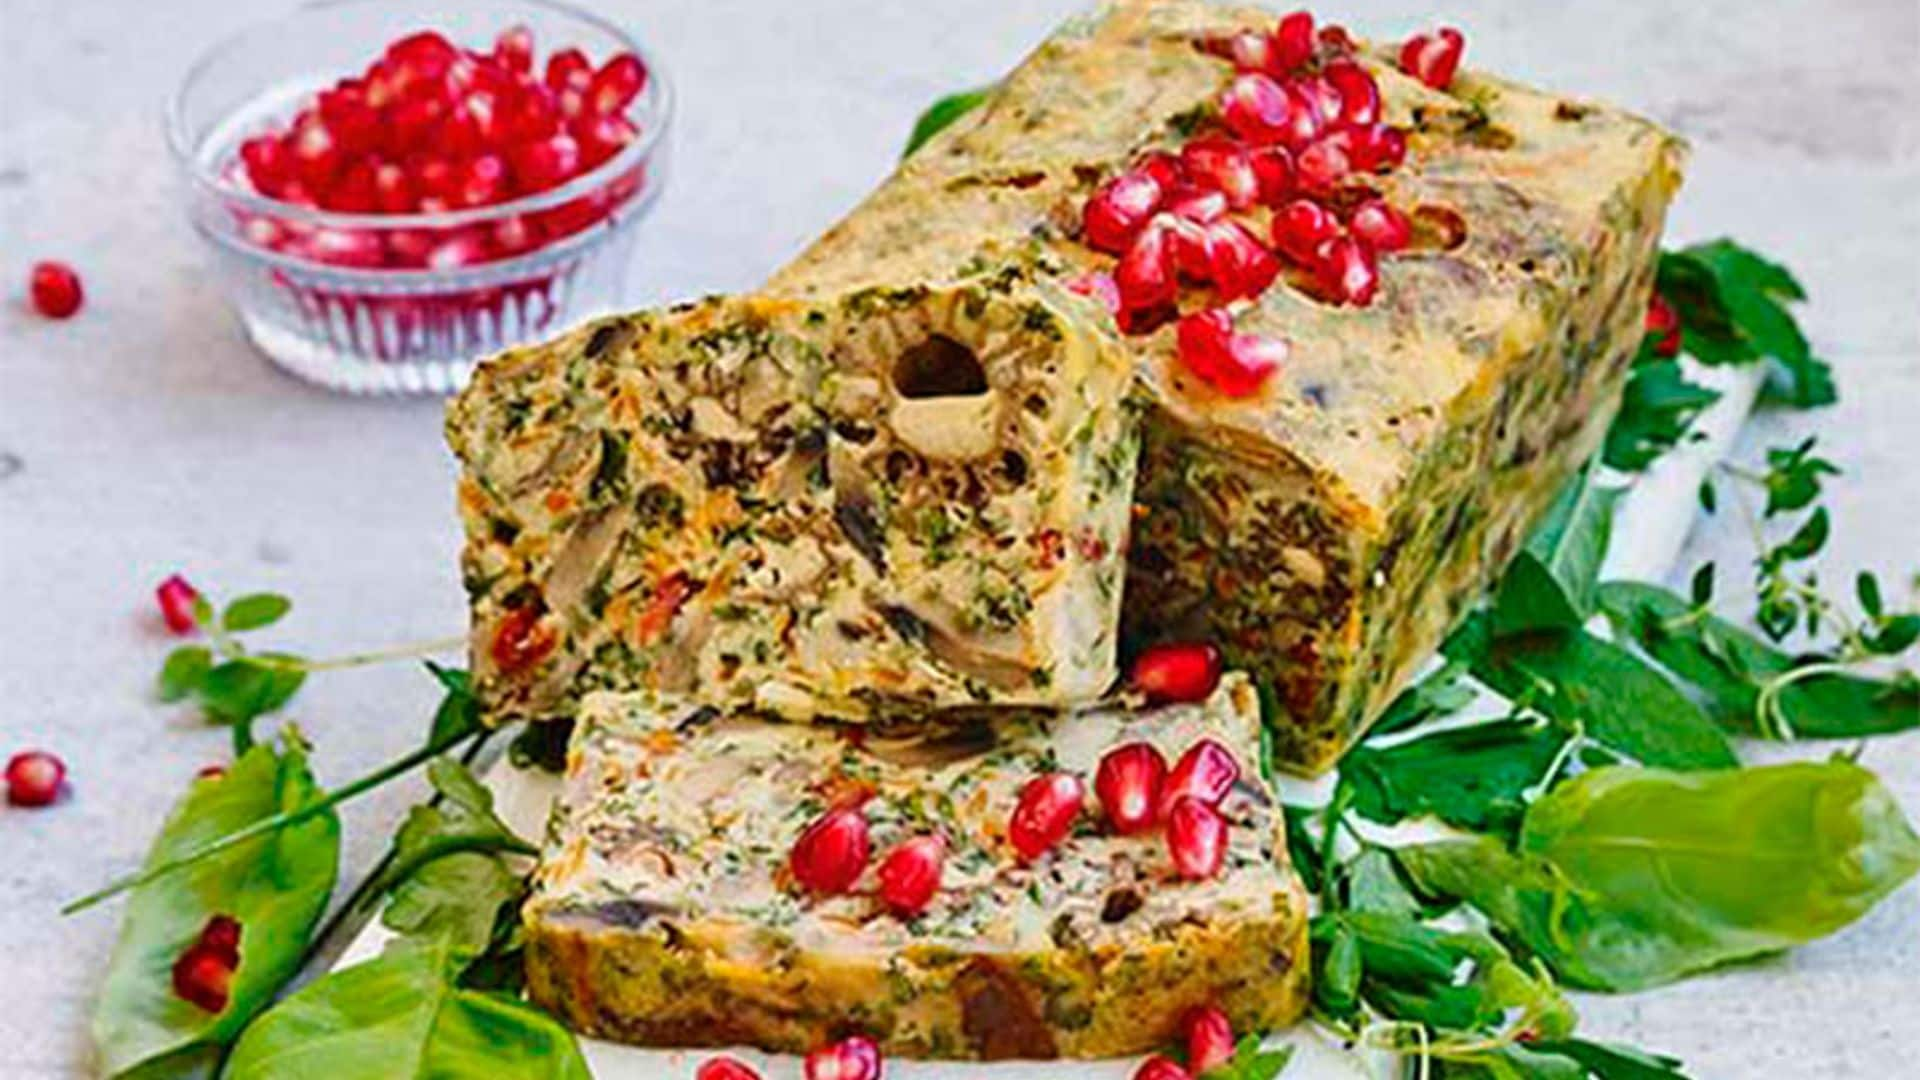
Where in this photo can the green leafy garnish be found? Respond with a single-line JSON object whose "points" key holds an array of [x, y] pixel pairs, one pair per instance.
{"points": [[1656, 410], [1550, 583], [1732, 307], [404, 1014], [275, 886], [446, 876], [941, 115], [254, 612], [1470, 777], [1626, 878]]}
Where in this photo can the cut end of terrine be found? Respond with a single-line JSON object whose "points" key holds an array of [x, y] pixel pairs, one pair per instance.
{"points": [[664, 913], [886, 500]]}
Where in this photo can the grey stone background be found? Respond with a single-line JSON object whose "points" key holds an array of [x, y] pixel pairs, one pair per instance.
{"points": [[144, 436]]}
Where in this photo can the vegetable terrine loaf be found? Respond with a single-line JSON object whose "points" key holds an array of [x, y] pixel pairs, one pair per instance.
{"points": [[665, 912], [893, 499], [1327, 529]]}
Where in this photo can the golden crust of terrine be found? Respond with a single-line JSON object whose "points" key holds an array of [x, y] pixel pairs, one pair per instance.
{"points": [[663, 914], [1327, 529], [888, 500]]}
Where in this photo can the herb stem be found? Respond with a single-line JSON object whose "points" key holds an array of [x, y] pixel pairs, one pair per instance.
{"points": [[278, 821], [381, 656]]}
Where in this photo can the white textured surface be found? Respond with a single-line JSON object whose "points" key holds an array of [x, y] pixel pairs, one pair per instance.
{"points": [[143, 436]]}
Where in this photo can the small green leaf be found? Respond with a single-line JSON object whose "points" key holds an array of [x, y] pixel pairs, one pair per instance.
{"points": [[1303, 849], [1551, 583], [459, 710], [1895, 635], [1250, 1062], [1732, 308], [941, 115], [1709, 496], [254, 611], [185, 667], [446, 874], [1867, 587], [1612, 1061], [1656, 410], [1626, 878], [1442, 693], [1702, 585], [239, 690], [1793, 478], [276, 886]]}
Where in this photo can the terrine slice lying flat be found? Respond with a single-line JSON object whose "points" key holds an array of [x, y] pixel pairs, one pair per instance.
{"points": [[894, 499], [664, 911], [1328, 529]]}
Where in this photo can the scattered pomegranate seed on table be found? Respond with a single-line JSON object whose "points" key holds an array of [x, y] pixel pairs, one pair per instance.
{"points": [[34, 778], [55, 289], [1159, 1067], [854, 1058], [910, 875], [725, 1068], [1433, 58], [833, 851], [177, 599], [1045, 813], [1210, 1042], [1177, 671], [1196, 838], [1128, 784]]}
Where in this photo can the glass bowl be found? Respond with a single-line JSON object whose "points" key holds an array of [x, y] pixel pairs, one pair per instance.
{"points": [[404, 303]]}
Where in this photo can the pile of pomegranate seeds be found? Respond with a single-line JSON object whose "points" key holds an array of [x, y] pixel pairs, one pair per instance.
{"points": [[34, 778], [55, 289], [204, 972], [854, 1058], [1267, 185], [725, 1068], [1177, 671], [430, 127], [1137, 791]]}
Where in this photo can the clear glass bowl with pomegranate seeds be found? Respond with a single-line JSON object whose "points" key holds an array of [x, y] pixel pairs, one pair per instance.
{"points": [[392, 188]]}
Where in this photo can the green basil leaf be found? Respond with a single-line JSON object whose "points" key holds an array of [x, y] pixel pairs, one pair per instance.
{"points": [[1512, 1061], [401, 1015], [239, 690], [1303, 848], [1615, 697], [1442, 693], [1470, 777], [446, 876], [1728, 667], [255, 611], [1551, 582], [1373, 884], [1732, 308], [276, 887], [1656, 410], [941, 115], [1250, 1062], [185, 667], [1627, 878], [1611, 1061]]}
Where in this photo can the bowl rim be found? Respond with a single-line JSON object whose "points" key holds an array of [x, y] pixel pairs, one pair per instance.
{"points": [[186, 151]]}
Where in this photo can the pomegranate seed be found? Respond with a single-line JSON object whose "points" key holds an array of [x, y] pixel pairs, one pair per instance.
{"points": [[616, 84], [314, 151], [211, 772], [1222, 165], [513, 49], [1236, 365], [392, 190], [910, 875], [1210, 1042], [465, 248], [1163, 168], [1347, 271], [55, 289], [1196, 205], [1322, 166], [1117, 211], [1207, 771], [537, 166], [221, 936], [1161, 1068], [520, 641], [203, 977], [601, 137], [1237, 264], [1187, 239], [832, 853], [725, 1068], [34, 778], [265, 158], [414, 122], [1179, 671], [532, 116], [854, 1058], [1335, 42], [514, 235], [1273, 166], [426, 51], [345, 247], [1251, 50], [1293, 40], [1196, 838], [568, 69], [1358, 92], [1044, 816], [354, 193], [1128, 784], [1433, 58], [483, 180], [1376, 148], [458, 135], [1145, 275], [1300, 227], [1381, 226], [1100, 287], [1663, 325], [354, 124], [1257, 109], [177, 603]]}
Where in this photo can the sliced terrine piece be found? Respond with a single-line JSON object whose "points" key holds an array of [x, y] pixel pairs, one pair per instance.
{"points": [[664, 911], [1327, 530], [890, 499]]}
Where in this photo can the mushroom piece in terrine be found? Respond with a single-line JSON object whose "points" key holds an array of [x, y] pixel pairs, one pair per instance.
{"points": [[665, 911], [1329, 528], [893, 499]]}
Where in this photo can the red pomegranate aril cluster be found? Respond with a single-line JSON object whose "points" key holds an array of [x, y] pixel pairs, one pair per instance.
{"points": [[854, 1058], [1210, 1044], [1137, 792], [34, 778], [430, 128], [54, 289], [203, 974]]}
